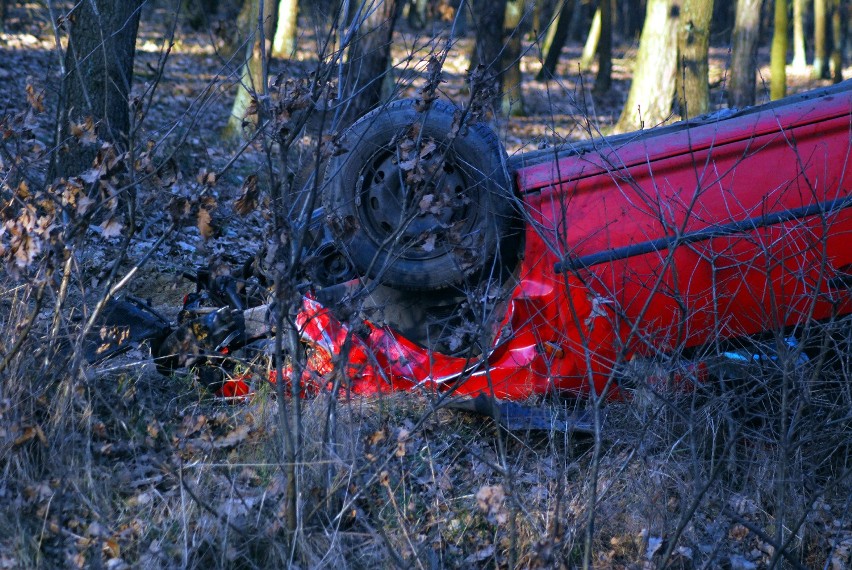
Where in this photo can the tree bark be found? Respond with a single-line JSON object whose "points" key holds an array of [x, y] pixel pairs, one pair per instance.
{"points": [[513, 99], [722, 21], [577, 26], [821, 39], [800, 62], [837, 41], [254, 69], [369, 58], [693, 50], [741, 86], [778, 55], [631, 18], [650, 99], [489, 18], [98, 76], [284, 43], [603, 82], [591, 45], [557, 33], [200, 13]]}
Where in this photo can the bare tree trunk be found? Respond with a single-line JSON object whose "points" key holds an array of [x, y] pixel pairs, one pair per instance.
{"points": [[489, 17], [631, 18], [284, 43], [722, 21], [555, 39], [603, 82], [821, 39], [368, 63], [513, 98], [693, 50], [200, 13], [254, 69], [98, 76], [536, 18], [800, 62], [837, 41], [578, 19], [741, 86], [778, 56], [650, 100], [845, 16], [591, 45]]}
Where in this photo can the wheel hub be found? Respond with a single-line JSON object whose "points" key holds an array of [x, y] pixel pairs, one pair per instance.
{"points": [[413, 203]]}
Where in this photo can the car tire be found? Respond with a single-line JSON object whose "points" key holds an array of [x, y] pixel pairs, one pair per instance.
{"points": [[417, 201]]}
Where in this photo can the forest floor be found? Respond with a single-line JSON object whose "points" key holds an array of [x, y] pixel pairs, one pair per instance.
{"points": [[134, 469]]}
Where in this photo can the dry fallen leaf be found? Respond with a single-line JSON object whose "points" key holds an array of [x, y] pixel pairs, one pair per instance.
{"points": [[247, 202], [401, 439], [429, 243], [29, 433], [490, 499], [377, 437], [237, 436], [428, 148], [111, 548], [204, 226], [205, 177], [26, 248], [35, 99], [111, 228]]}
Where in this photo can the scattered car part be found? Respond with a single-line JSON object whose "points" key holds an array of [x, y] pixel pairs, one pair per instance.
{"points": [[124, 323], [513, 416]]}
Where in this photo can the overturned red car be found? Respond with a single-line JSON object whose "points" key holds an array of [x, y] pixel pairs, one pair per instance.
{"points": [[467, 270], [437, 262]]}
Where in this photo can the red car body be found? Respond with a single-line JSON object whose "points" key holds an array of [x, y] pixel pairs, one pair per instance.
{"points": [[645, 244]]}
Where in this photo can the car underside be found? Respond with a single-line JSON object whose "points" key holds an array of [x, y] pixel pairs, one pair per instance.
{"points": [[437, 262]]}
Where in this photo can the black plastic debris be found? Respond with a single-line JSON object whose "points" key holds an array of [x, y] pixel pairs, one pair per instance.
{"points": [[123, 324], [513, 416]]}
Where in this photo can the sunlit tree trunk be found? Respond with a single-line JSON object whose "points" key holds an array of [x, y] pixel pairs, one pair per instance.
{"points": [[253, 72], [778, 55], [513, 99], [693, 49], [536, 18], [98, 76], [821, 39], [650, 99], [555, 38], [604, 78], [741, 85], [284, 43], [591, 45], [800, 62]]}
